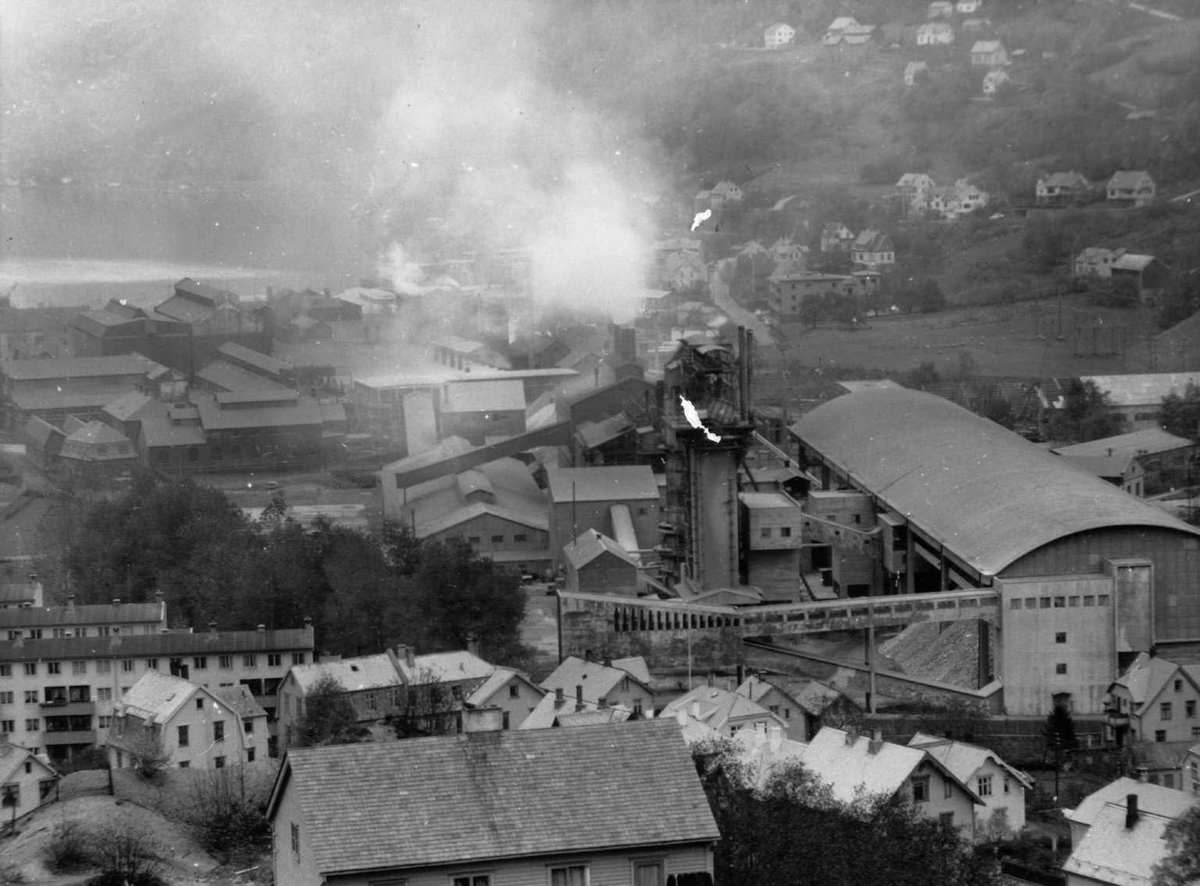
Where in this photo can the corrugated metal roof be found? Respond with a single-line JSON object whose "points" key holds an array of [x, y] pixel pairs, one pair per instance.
{"points": [[984, 492], [77, 367], [304, 411], [158, 431], [483, 396], [495, 795], [265, 362], [590, 545]]}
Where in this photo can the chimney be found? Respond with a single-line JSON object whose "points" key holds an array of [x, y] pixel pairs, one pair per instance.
{"points": [[1131, 810], [875, 743], [1110, 451], [851, 735], [212, 626], [579, 697], [158, 596], [608, 661], [558, 697], [473, 647], [1142, 772], [741, 674], [696, 710], [406, 653], [70, 602], [116, 601], [489, 719]]}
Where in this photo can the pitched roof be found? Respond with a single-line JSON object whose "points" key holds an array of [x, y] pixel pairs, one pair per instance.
{"points": [[987, 46], [445, 667], [13, 757], [1152, 798], [456, 517], [963, 759], [1131, 262], [1129, 178], [354, 674], [498, 680], [494, 795], [1146, 677], [298, 413], [159, 431], [41, 431], [597, 678], [77, 367], [133, 404], [596, 433], [92, 614], [717, 707], [590, 545], [812, 696], [1070, 179], [1112, 853], [1149, 441], [608, 483], [240, 700], [483, 396], [264, 362], [231, 377], [951, 472], [156, 697]]}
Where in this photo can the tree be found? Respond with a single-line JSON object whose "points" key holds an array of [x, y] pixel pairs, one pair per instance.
{"points": [[127, 855], [145, 745], [1086, 414], [1059, 729], [227, 819], [1180, 414], [329, 716], [1181, 866]]}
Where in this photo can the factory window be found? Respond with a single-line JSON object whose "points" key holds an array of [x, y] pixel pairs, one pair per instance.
{"points": [[1060, 637], [785, 531], [765, 532], [1089, 600], [520, 537], [1031, 602], [1014, 603], [1060, 668], [1043, 602], [1073, 601], [1060, 602], [497, 539], [1164, 711]]}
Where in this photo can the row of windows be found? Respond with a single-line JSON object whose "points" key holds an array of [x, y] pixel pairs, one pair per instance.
{"points": [[1166, 710], [784, 532], [645, 873], [77, 631], [1160, 735], [517, 538], [1058, 602], [199, 663]]}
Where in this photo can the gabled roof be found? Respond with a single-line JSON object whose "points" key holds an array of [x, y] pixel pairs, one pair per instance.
{"points": [[14, 757], [1071, 179], [94, 433], [719, 708], [851, 769], [496, 795], [132, 405], [41, 431], [811, 696], [1131, 178], [500, 678], [240, 701], [987, 46], [607, 483], [951, 472], [156, 697], [1132, 262], [149, 645], [158, 431], [445, 667], [592, 544], [77, 367], [354, 674], [230, 377], [962, 759], [264, 362], [596, 678], [468, 512], [1148, 675], [1112, 853], [483, 396], [1152, 798], [1106, 466]]}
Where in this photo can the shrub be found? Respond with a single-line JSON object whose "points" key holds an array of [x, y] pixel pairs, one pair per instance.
{"points": [[127, 855], [226, 821], [69, 850]]}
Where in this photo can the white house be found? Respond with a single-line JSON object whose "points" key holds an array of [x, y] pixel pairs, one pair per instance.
{"points": [[26, 780], [941, 9], [988, 54], [1135, 185], [779, 34], [937, 33], [968, 7], [994, 80], [913, 70]]}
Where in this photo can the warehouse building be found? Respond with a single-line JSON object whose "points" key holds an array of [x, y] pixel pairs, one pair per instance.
{"points": [[1087, 575]]}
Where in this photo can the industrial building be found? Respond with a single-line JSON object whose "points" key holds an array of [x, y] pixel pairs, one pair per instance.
{"points": [[934, 498]]}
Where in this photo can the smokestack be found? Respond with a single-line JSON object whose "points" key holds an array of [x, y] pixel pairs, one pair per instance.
{"points": [[741, 674], [875, 743], [851, 735], [70, 602], [1131, 810], [212, 626], [558, 697], [749, 371]]}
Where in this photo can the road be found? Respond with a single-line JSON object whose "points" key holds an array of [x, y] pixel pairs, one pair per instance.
{"points": [[738, 314]]}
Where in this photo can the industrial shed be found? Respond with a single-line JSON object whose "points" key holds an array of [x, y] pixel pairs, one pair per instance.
{"points": [[964, 503]]}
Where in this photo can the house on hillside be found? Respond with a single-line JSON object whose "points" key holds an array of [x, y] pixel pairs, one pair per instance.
{"points": [[563, 807], [856, 766], [1154, 700], [1138, 396], [913, 71], [838, 28], [916, 188], [941, 9], [856, 35], [988, 54], [958, 199], [1135, 185], [1163, 457], [509, 691], [1147, 274], [725, 192], [1096, 261], [872, 248], [189, 726], [1001, 787], [968, 7], [937, 33], [26, 781], [836, 237], [779, 34], [1062, 187]]}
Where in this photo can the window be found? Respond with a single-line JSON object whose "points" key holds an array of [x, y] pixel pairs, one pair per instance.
{"points": [[193, 454], [920, 789], [295, 839], [1179, 686], [1102, 600], [985, 786], [32, 724], [200, 663], [31, 696], [785, 531], [1060, 637], [570, 875], [127, 665], [182, 735], [514, 690], [947, 788], [1195, 733], [5, 670], [1060, 602], [104, 666], [474, 880], [1073, 602], [1164, 711], [274, 659], [8, 726], [6, 697], [184, 764], [199, 704], [104, 694], [79, 667], [497, 539], [249, 755], [10, 795], [765, 532], [54, 667], [1043, 602], [1060, 668], [946, 818], [248, 726], [1160, 735], [250, 661], [456, 692], [152, 664], [1014, 603], [298, 658], [105, 722], [520, 537], [1189, 709], [1089, 600], [219, 730], [226, 661], [218, 762]]}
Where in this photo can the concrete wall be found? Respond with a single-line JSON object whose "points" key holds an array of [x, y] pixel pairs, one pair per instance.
{"points": [[1057, 636], [621, 627]]}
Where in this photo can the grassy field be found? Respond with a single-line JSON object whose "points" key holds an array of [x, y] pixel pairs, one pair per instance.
{"points": [[1019, 340]]}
